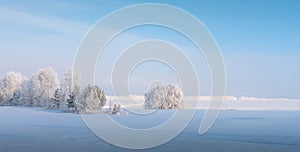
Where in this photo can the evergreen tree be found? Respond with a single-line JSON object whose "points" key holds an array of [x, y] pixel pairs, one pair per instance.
{"points": [[57, 99], [116, 109], [71, 100], [15, 100], [71, 88], [1, 98]]}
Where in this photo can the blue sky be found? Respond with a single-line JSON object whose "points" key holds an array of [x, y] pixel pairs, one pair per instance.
{"points": [[259, 40]]}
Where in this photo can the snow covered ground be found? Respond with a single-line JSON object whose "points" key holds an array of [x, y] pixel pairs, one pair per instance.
{"points": [[230, 103], [35, 130]]}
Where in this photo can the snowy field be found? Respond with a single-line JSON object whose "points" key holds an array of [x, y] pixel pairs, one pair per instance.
{"points": [[35, 130], [230, 103]]}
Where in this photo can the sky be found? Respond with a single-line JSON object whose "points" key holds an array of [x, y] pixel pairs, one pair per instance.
{"points": [[259, 41]]}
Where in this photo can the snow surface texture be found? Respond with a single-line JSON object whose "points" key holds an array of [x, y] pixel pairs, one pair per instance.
{"points": [[34, 130]]}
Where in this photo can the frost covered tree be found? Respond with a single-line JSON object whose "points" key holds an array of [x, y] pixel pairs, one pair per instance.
{"points": [[92, 100], [58, 98], [71, 100], [9, 85], [44, 84], [114, 108], [164, 97], [71, 87], [71, 81], [26, 94], [1, 98], [15, 100]]}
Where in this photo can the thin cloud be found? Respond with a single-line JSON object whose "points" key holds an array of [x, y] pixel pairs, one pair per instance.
{"points": [[13, 17]]}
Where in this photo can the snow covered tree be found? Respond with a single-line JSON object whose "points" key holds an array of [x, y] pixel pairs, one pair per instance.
{"points": [[71, 100], [117, 109], [1, 95], [9, 85], [26, 94], [58, 98], [15, 100], [71, 81], [44, 84], [164, 97], [92, 100], [71, 87], [114, 108], [1, 98]]}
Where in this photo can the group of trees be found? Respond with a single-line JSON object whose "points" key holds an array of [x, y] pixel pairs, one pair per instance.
{"points": [[164, 97], [43, 89]]}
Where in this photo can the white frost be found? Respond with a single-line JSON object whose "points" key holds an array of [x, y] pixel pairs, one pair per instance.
{"points": [[164, 97]]}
